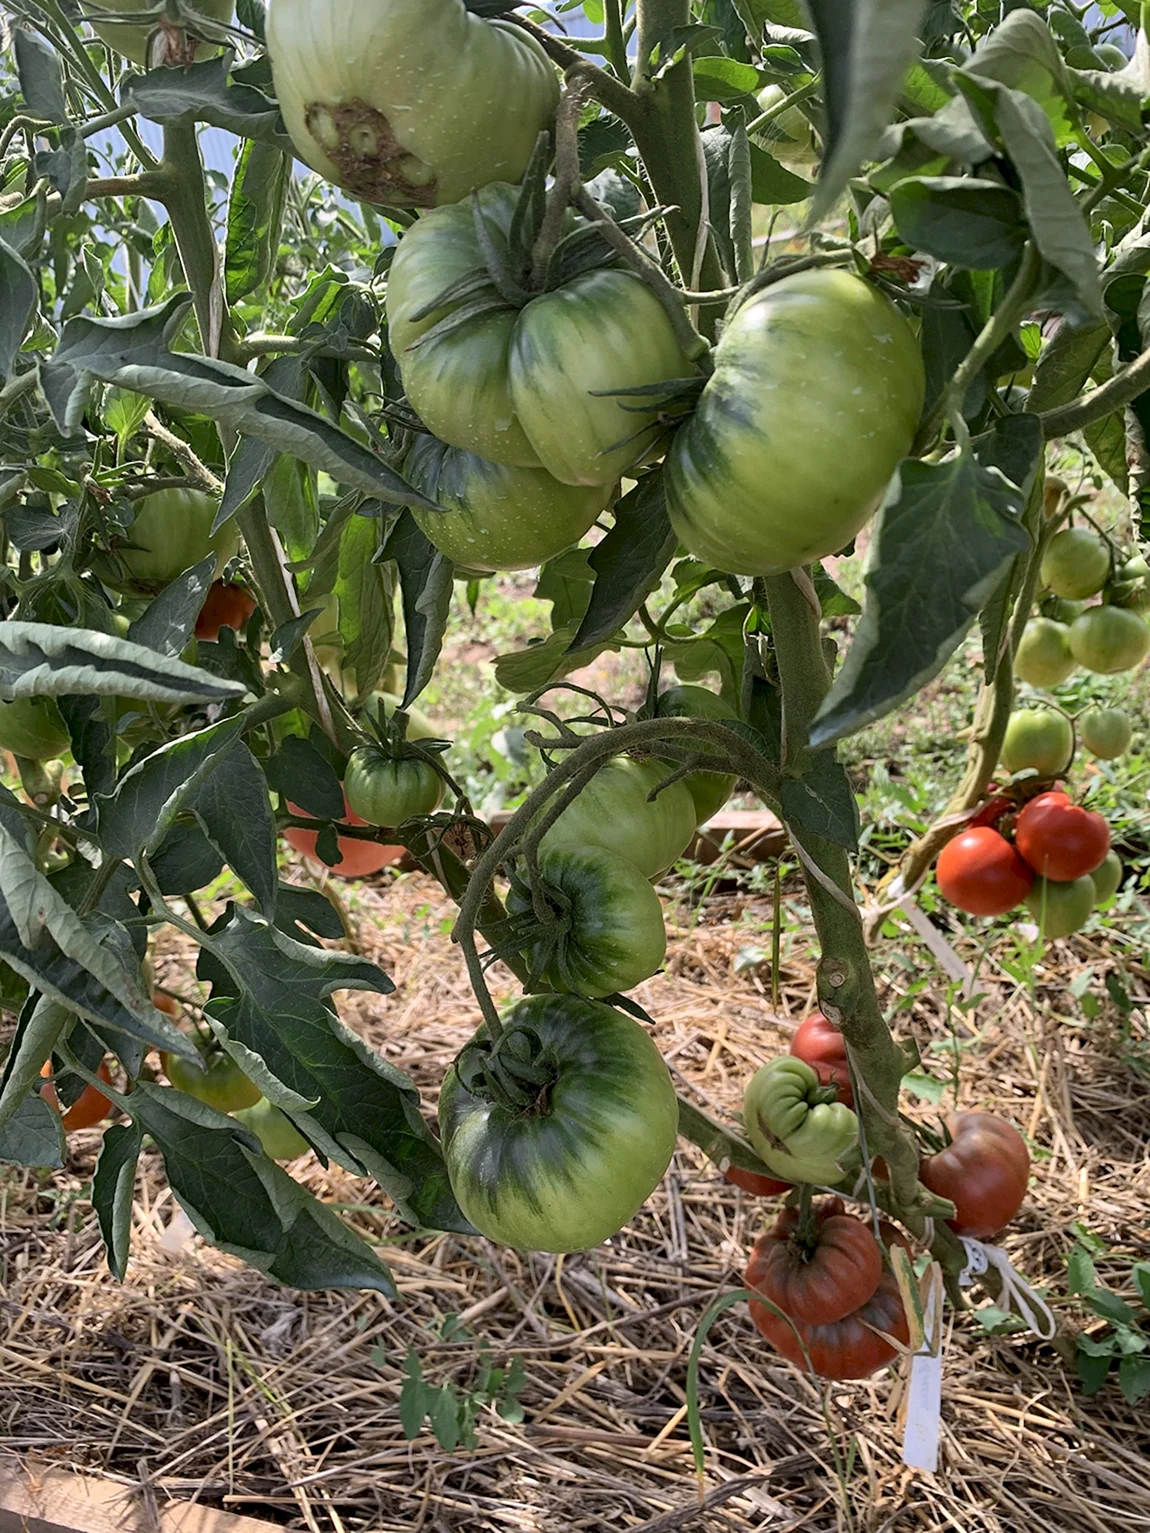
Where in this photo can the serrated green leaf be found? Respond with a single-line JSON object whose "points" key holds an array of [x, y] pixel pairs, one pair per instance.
{"points": [[628, 563], [113, 1190]]}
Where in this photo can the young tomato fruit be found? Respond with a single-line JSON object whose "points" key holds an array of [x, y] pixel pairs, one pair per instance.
{"points": [[1107, 878], [89, 1108], [822, 1277], [614, 811], [1076, 563], [710, 790], [1110, 639], [384, 791], [824, 1048], [1106, 732], [219, 1082], [1059, 839], [1043, 658], [226, 606], [1038, 739], [980, 872], [984, 1171], [276, 1132]]}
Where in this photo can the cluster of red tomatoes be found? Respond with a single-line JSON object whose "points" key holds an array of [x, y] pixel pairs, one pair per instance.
{"points": [[1051, 854]]}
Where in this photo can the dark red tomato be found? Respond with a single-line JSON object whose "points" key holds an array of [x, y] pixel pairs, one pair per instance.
{"points": [[1060, 839], [359, 858], [824, 1048], [993, 811], [753, 1182], [984, 1172], [980, 872], [89, 1108], [821, 1278], [226, 606], [165, 1003]]}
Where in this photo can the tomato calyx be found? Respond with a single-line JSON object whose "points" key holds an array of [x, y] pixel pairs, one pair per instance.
{"points": [[513, 1072]]}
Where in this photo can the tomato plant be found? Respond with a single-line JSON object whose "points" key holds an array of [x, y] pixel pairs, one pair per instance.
{"points": [[819, 1275], [824, 1048], [982, 873], [1060, 839], [984, 1171]]}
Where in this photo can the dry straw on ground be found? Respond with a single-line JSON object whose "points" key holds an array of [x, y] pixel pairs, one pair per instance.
{"points": [[199, 1379]]}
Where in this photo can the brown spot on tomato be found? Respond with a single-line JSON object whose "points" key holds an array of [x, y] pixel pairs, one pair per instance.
{"points": [[372, 162]]}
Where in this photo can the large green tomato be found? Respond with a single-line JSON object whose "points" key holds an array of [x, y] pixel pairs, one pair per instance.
{"points": [[131, 38], [1061, 909], [1039, 739], [570, 1170], [518, 386], [498, 516], [710, 790], [218, 1081], [1110, 639], [172, 531], [608, 935], [614, 812], [1105, 732], [383, 791], [816, 394], [1044, 657], [32, 727], [1076, 563], [797, 1125], [276, 1132], [408, 103]]}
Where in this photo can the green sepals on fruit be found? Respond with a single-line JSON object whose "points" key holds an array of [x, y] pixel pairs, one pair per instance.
{"points": [[1039, 740], [1105, 732], [1110, 639], [1076, 563], [217, 1081], [1043, 658], [276, 1132], [797, 1125]]}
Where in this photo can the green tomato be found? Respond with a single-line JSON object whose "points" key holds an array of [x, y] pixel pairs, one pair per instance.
{"points": [[817, 390], [276, 1132], [1133, 586], [1044, 657], [1061, 610], [172, 531], [1111, 55], [1061, 909], [1110, 639], [518, 386], [409, 103], [32, 727], [497, 516], [797, 1126], [219, 1082], [383, 791], [568, 1172], [788, 137], [1105, 732], [710, 790], [1038, 739], [131, 38], [608, 934], [1107, 878], [614, 813], [1076, 563]]}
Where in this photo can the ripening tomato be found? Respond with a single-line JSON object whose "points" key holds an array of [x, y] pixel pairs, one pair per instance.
{"points": [[1076, 563], [756, 1183], [984, 1171], [980, 872], [358, 858], [994, 811], [1059, 839], [824, 1048], [820, 1278], [89, 1108], [226, 606]]}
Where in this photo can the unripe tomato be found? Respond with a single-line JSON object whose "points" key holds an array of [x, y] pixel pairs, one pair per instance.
{"points": [[755, 1183], [383, 791], [980, 872], [788, 137], [1107, 878], [172, 531], [984, 1172], [276, 1132], [218, 1080], [1133, 586], [1110, 639], [1062, 908], [32, 727], [1039, 739], [359, 858], [131, 38], [710, 790], [1061, 610], [1105, 732], [614, 812], [1043, 658], [1076, 563], [226, 606], [824, 1048], [816, 393], [89, 1108], [1060, 839], [822, 1278]]}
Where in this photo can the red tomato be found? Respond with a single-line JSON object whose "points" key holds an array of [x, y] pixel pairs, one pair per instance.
{"points": [[165, 1003], [89, 1108], [823, 1047], [980, 872], [822, 1278], [984, 1172], [226, 606], [753, 1182], [992, 811], [360, 858], [1060, 839]]}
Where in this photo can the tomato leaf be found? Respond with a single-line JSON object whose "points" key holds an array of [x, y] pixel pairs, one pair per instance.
{"points": [[151, 794], [822, 801], [113, 1189], [32, 1136], [1091, 1368], [19, 297], [426, 580], [202, 92], [960, 219], [629, 562], [1015, 446], [49, 660], [548, 660], [255, 217], [40, 74], [365, 593], [1134, 1378], [235, 812]]}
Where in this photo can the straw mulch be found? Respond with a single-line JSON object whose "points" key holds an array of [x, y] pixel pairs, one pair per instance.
{"points": [[197, 1378]]}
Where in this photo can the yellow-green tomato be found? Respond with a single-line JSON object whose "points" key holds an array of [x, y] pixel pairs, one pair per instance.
{"points": [[1044, 657], [132, 38], [172, 531], [32, 727], [1107, 878], [788, 137], [710, 790], [1076, 563], [496, 516], [816, 393], [615, 812], [218, 1081], [276, 1132], [384, 791], [1040, 740], [1110, 639], [1105, 732], [1061, 909]]}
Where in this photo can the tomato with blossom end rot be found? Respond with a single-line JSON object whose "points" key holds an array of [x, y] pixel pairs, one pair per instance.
{"points": [[980, 872], [984, 1171], [820, 1275], [1060, 839], [819, 1042]]}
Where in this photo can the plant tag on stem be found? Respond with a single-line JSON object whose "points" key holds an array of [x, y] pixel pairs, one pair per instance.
{"points": [[924, 1397]]}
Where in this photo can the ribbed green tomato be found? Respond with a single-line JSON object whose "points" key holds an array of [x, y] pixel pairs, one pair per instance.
{"points": [[408, 103], [172, 531], [710, 790], [1076, 563], [131, 38], [498, 516], [568, 1172], [613, 936], [1110, 639], [517, 385], [796, 1124], [614, 812], [276, 1132], [1062, 908], [32, 727], [1043, 658], [218, 1081], [1105, 732], [1107, 878], [816, 394], [383, 791], [1040, 739]]}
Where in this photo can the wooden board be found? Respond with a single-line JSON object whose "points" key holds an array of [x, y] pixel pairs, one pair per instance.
{"points": [[57, 1501]]}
